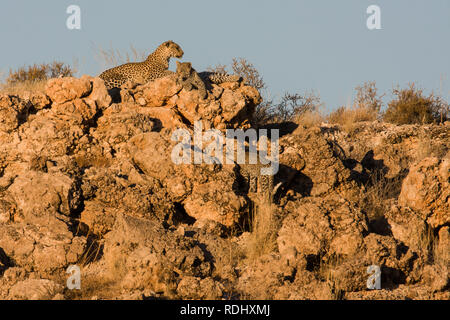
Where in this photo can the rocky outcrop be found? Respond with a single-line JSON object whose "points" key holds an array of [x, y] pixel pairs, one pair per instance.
{"points": [[322, 170], [87, 178], [387, 147], [224, 107]]}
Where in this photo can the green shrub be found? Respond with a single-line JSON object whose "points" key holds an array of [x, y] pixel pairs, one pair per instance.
{"points": [[411, 106]]}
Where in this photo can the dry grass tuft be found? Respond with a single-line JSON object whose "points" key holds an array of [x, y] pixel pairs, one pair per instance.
{"points": [[428, 242], [378, 189], [366, 107], [114, 57], [349, 117], [440, 252], [93, 251], [327, 272], [310, 118], [93, 286], [39, 72], [21, 88], [429, 245], [263, 229]]}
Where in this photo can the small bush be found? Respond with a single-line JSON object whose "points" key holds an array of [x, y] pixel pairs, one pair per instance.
{"points": [[292, 107], [263, 114], [348, 117], [411, 106], [33, 78], [39, 72], [247, 71], [377, 190], [429, 146]]}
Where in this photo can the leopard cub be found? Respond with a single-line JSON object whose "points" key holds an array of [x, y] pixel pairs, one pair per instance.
{"points": [[190, 79]]}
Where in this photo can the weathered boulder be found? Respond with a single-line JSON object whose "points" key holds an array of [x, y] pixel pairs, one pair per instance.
{"points": [[315, 226], [13, 111], [145, 256], [157, 93], [42, 248], [118, 191], [57, 193], [196, 288], [121, 122], [215, 201], [61, 90], [99, 94], [322, 171], [407, 226], [35, 289], [426, 189]]}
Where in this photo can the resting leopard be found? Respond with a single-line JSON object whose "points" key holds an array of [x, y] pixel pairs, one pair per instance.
{"points": [[155, 66]]}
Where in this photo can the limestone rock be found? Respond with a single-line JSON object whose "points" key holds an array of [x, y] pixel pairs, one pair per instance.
{"points": [[146, 256], [57, 193], [61, 90], [44, 249], [157, 93], [87, 181], [234, 106], [35, 289], [426, 189]]}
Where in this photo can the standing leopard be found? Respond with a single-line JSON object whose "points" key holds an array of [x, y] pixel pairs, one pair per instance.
{"points": [[189, 78], [155, 66]]}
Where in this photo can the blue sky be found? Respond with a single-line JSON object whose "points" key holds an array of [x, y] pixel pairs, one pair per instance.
{"points": [[297, 45]]}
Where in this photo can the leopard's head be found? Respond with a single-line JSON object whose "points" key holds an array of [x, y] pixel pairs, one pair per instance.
{"points": [[170, 49], [184, 68]]}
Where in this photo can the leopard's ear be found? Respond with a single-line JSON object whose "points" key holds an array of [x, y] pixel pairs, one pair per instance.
{"points": [[189, 65], [178, 63]]}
